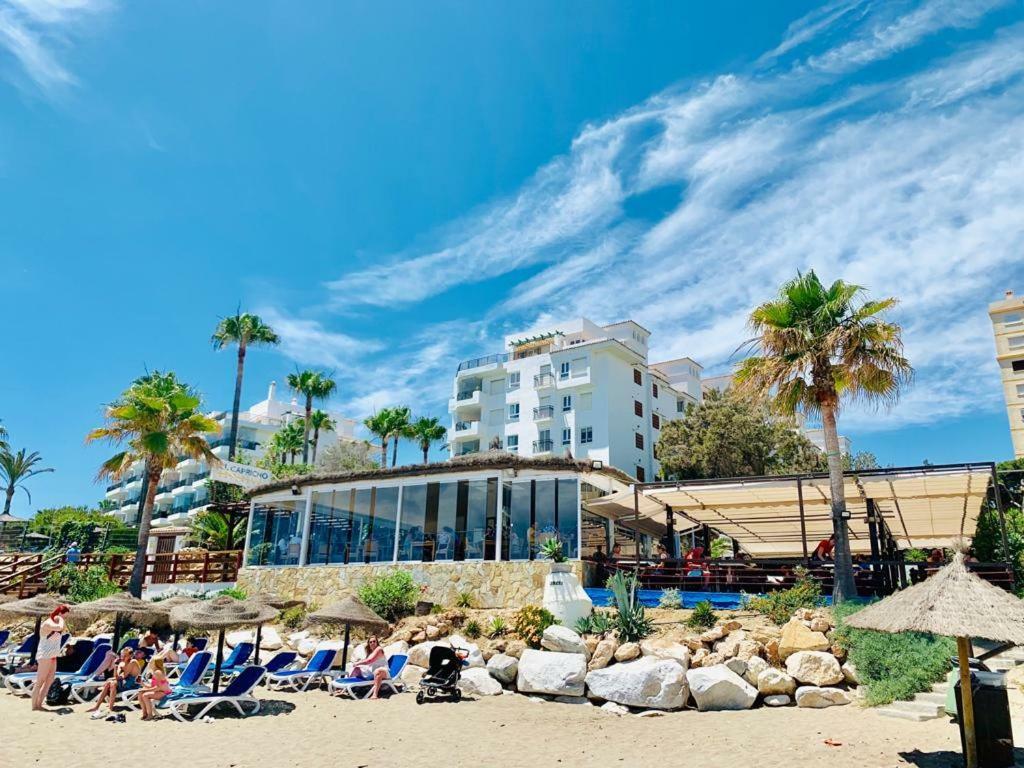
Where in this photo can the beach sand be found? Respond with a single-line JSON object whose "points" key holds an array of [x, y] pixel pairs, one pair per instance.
{"points": [[312, 729]]}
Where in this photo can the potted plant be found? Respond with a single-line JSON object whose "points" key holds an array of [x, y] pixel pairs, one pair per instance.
{"points": [[552, 550], [564, 596]]}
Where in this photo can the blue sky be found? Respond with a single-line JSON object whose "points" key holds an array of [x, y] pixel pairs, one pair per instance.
{"points": [[397, 185]]}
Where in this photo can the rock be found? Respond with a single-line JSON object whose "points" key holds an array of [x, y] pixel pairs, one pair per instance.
{"points": [[814, 668], [755, 667], [647, 682], [432, 632], [514, 648], [615, 709], [777, 700], [562, 640], [627, 652], [400, 647], [294, 637], [591, 642], [749, 649], [419, 654], [713, 659], [813, 697], [819, 624], [739, 666], [771, 652], [270, 640], [411, 674], [557, 674], [697, 660], [666, 649], [772, 681], [796, 638], [475, 659], [730, 646], [478, 682], [732, 625], [650, 713], [850, 673], [231, 639], [803, 614], [503, 668], [305, 646], [712, 635], [418, 637], [571, 700], [839, 652], [604, 653], [717, 688]]}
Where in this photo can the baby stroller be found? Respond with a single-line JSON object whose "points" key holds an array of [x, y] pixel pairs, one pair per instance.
{"points": [[442, 676]]}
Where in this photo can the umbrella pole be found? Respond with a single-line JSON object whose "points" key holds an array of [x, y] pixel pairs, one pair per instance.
{"points": [[117, 633], [220, 660], [963, 647], [344, 651], [32, 656], [259, 638]]}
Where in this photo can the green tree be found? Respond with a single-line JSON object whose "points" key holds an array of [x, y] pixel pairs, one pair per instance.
{"points": [[348, 456], [214, 531], [312, 385], [860, 461], [15, 470], [158, 419], [427, 430], [4, 436], [321, 421], [244, 330], [379, 424], [66, 524], [286, 443], [400, 426], [814, 347]]}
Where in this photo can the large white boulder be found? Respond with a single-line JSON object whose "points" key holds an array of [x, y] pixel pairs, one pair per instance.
{"points": [[627, 652], [411, 674], [666, 649], [814, 668], [419, 654], [503, 668], [648, 682], [305, 647], [850, 673], [478, 682], [815, 697], [475, 658], [562, 640], [231, 639], [755, 666], [718, 687], [399, 647], [773, 681], [270, 640], [558, 674]]}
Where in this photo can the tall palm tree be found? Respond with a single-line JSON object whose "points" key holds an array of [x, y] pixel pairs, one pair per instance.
{"points": [[4, 445], [310, 384], [320, 421], [399, 422], [15, 469], [379, 425], [817, 346], [157, 419], [245, 330], [287, 441], [427, 430]]}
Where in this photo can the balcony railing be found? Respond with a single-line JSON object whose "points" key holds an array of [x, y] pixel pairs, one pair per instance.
{"points": [[465, 426], [466, 394], [543, 412], [115, 486], [543, 380], [477, 362], [245, 445], [543, 446]]}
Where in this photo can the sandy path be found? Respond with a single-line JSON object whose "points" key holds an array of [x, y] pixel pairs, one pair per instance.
{"points": [[314, 730]]}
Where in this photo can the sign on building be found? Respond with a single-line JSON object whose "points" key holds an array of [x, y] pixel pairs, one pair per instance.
{"points": [[240, 474]]}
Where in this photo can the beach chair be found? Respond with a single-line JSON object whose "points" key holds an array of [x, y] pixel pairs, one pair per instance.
{"points": [[5, 635], [21, 683], [281, 661], [235, 662], [188, 683], [351, 686], [238, 693], [23, 651], [300, 679]]}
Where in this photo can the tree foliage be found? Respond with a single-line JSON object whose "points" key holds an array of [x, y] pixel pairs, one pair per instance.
{"points": [[66, 524], [348, 456]]}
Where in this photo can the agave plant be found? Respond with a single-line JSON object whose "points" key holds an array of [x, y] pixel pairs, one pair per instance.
{"points": [[630, 619], [552, 550]]}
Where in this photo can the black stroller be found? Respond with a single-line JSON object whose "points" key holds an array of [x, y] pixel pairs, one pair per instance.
{"points": [[443, 675]]}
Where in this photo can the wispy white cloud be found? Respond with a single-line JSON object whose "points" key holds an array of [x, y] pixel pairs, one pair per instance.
{"points": [[307, 342]]}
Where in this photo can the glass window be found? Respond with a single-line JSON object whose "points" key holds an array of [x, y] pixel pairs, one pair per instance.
{"points": [[412, 529], [638, 439], [566, 402], [476, 519], [566, 436], [443, 530], [513, 380], [638, 408], [568, 510], [563, 371], [655, 421], [637, 378], [654, 389], [586, 435], [512, 441], [543, 515], [276, 537], [1015, 342], [513, 411], [641, 475], [516, 507], [329, 529], [1017, 365]]}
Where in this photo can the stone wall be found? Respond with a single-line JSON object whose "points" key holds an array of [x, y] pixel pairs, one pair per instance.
{"points": [[493, 584]]}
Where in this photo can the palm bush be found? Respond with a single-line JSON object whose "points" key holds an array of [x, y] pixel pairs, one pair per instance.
{"points": [[81, 585], [703, 616], [391, 595], [630, 618], [464, 600]]}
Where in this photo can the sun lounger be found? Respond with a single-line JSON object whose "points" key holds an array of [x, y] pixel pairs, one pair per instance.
{"points": [[235, 662], [188, 682], [300, 679], [352, 686], [5, 635], [281, 661], [83, 690], [21, 683], [238, 692], [23, 651]]}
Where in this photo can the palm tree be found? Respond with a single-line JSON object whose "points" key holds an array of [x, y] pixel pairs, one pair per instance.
{"points": [[817, 346], [311, 384], [399, 427], [427, 430], [4, 446], [320, 420], [214, 531], [158, 420], [15, 469], [287, 441], [379, 425], [245, 330]]}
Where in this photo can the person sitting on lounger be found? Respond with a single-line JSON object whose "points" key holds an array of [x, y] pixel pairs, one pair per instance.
{"points": [[152, 694], [125, 678], [374, 667], [150, 640]]}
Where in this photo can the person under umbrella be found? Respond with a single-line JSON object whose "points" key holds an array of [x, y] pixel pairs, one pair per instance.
{"points": [[350, 612], [49, 612], [956, 603], [163, 618], [38, 608]]}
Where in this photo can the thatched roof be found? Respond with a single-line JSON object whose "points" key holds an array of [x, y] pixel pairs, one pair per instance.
{"points": [[221, 613], [40, 605], [953, 602], [351, 611], [138, 611], [489, 460], [279, 602], [161, 616]]}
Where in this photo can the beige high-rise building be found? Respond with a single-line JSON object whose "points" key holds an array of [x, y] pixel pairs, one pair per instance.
{"points": [[1008, 325]]}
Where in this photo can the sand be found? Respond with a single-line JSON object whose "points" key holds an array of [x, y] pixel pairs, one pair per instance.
{"points": [[312, 729]]}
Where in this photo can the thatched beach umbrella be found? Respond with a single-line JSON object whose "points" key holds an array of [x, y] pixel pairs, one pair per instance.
{"points": [[274, 601], [221, 613], [122, 606], [956, 603], [351, 612], [164, 617], [36, 607]]}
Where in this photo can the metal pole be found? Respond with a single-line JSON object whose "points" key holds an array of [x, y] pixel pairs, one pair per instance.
{"points": [[259, 638], [117, 633], [803, 522], [636, 523], [344, 650], [872, 510], [220, 661], [963, 647]]}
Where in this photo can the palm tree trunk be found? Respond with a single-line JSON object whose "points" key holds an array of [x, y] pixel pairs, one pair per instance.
{"points": [[426, 449], [237, 404], [844, 587], [9, 499], [394, 452], [316, 439], [305, 431], [383, 452], [139, 567]]}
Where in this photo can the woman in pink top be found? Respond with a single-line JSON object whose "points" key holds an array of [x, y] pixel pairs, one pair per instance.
{"points": [[51, 632], [152, 694]]}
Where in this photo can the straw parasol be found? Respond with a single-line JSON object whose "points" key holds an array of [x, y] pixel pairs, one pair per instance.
{"points": [[164, 617], [956, 603], [279, 602], [351, 612], [34, 607], [221, 613], [123, 606]]}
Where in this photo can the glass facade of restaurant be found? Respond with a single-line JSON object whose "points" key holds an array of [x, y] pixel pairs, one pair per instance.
{"points": [[419, 521]]}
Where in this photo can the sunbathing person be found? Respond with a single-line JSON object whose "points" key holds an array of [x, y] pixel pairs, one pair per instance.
{"points": [[125, 678], [152, 694], [373, 667]]}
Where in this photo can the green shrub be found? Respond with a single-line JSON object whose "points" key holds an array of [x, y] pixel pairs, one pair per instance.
{"points": [[583, 626], [529, 623], [600, 622], [670, 598], [236, 592], [703, 616], [892, 666], [436, 608], [629, 619], [295, 617], [80, 585], [391, 595], [464, 600], [780, 606], [472, 629], [552, 550]]}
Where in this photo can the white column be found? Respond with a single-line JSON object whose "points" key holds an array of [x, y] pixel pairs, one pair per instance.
{"points": [[498, 518], [398, 524], [307, 523], [248, 534]]}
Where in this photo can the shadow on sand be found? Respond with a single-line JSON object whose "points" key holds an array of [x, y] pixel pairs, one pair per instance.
{"points": [[948, 758]]}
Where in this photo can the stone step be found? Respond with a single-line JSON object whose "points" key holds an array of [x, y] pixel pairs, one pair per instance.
{"points": [[927, 710], [935, 697], [917, 717]]}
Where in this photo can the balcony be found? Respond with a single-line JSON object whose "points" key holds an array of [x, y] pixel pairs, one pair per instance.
{"points": [[543, 446], [543, 380], [188, 465], [480, 362], [199, 481], [465, 399], [164, 496], [466, 428], [464, 449], [543, 413], [243, 445]]}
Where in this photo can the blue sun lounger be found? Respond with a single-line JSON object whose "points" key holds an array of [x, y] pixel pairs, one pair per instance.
{"points": [[300, 679], [237, 694], [352, 685], [235, 662], [188, 683], [21, 683]]}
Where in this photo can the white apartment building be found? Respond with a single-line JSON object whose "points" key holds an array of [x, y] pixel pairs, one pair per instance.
{"points": [[1008, 327], [183, 492], [573, 388]]}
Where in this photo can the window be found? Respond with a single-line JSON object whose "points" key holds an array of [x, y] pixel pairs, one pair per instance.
{"points": [[1020, 390], [449, 521], [586, 435], [637, 377], [563, 371], [566, 436], [276, 536], [513, 411], [638, 408], [641, 475], [534, 511], [639, 440], [1018, 366], [579, 367], [655, 421], [654, 389], [1015, 342], [1013, 319], [512, 442], [513, 380], [566, 402], [680, 406], [497, 386]]}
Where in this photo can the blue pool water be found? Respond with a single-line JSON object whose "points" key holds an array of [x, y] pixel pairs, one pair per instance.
{"points": [[650, 598]]}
